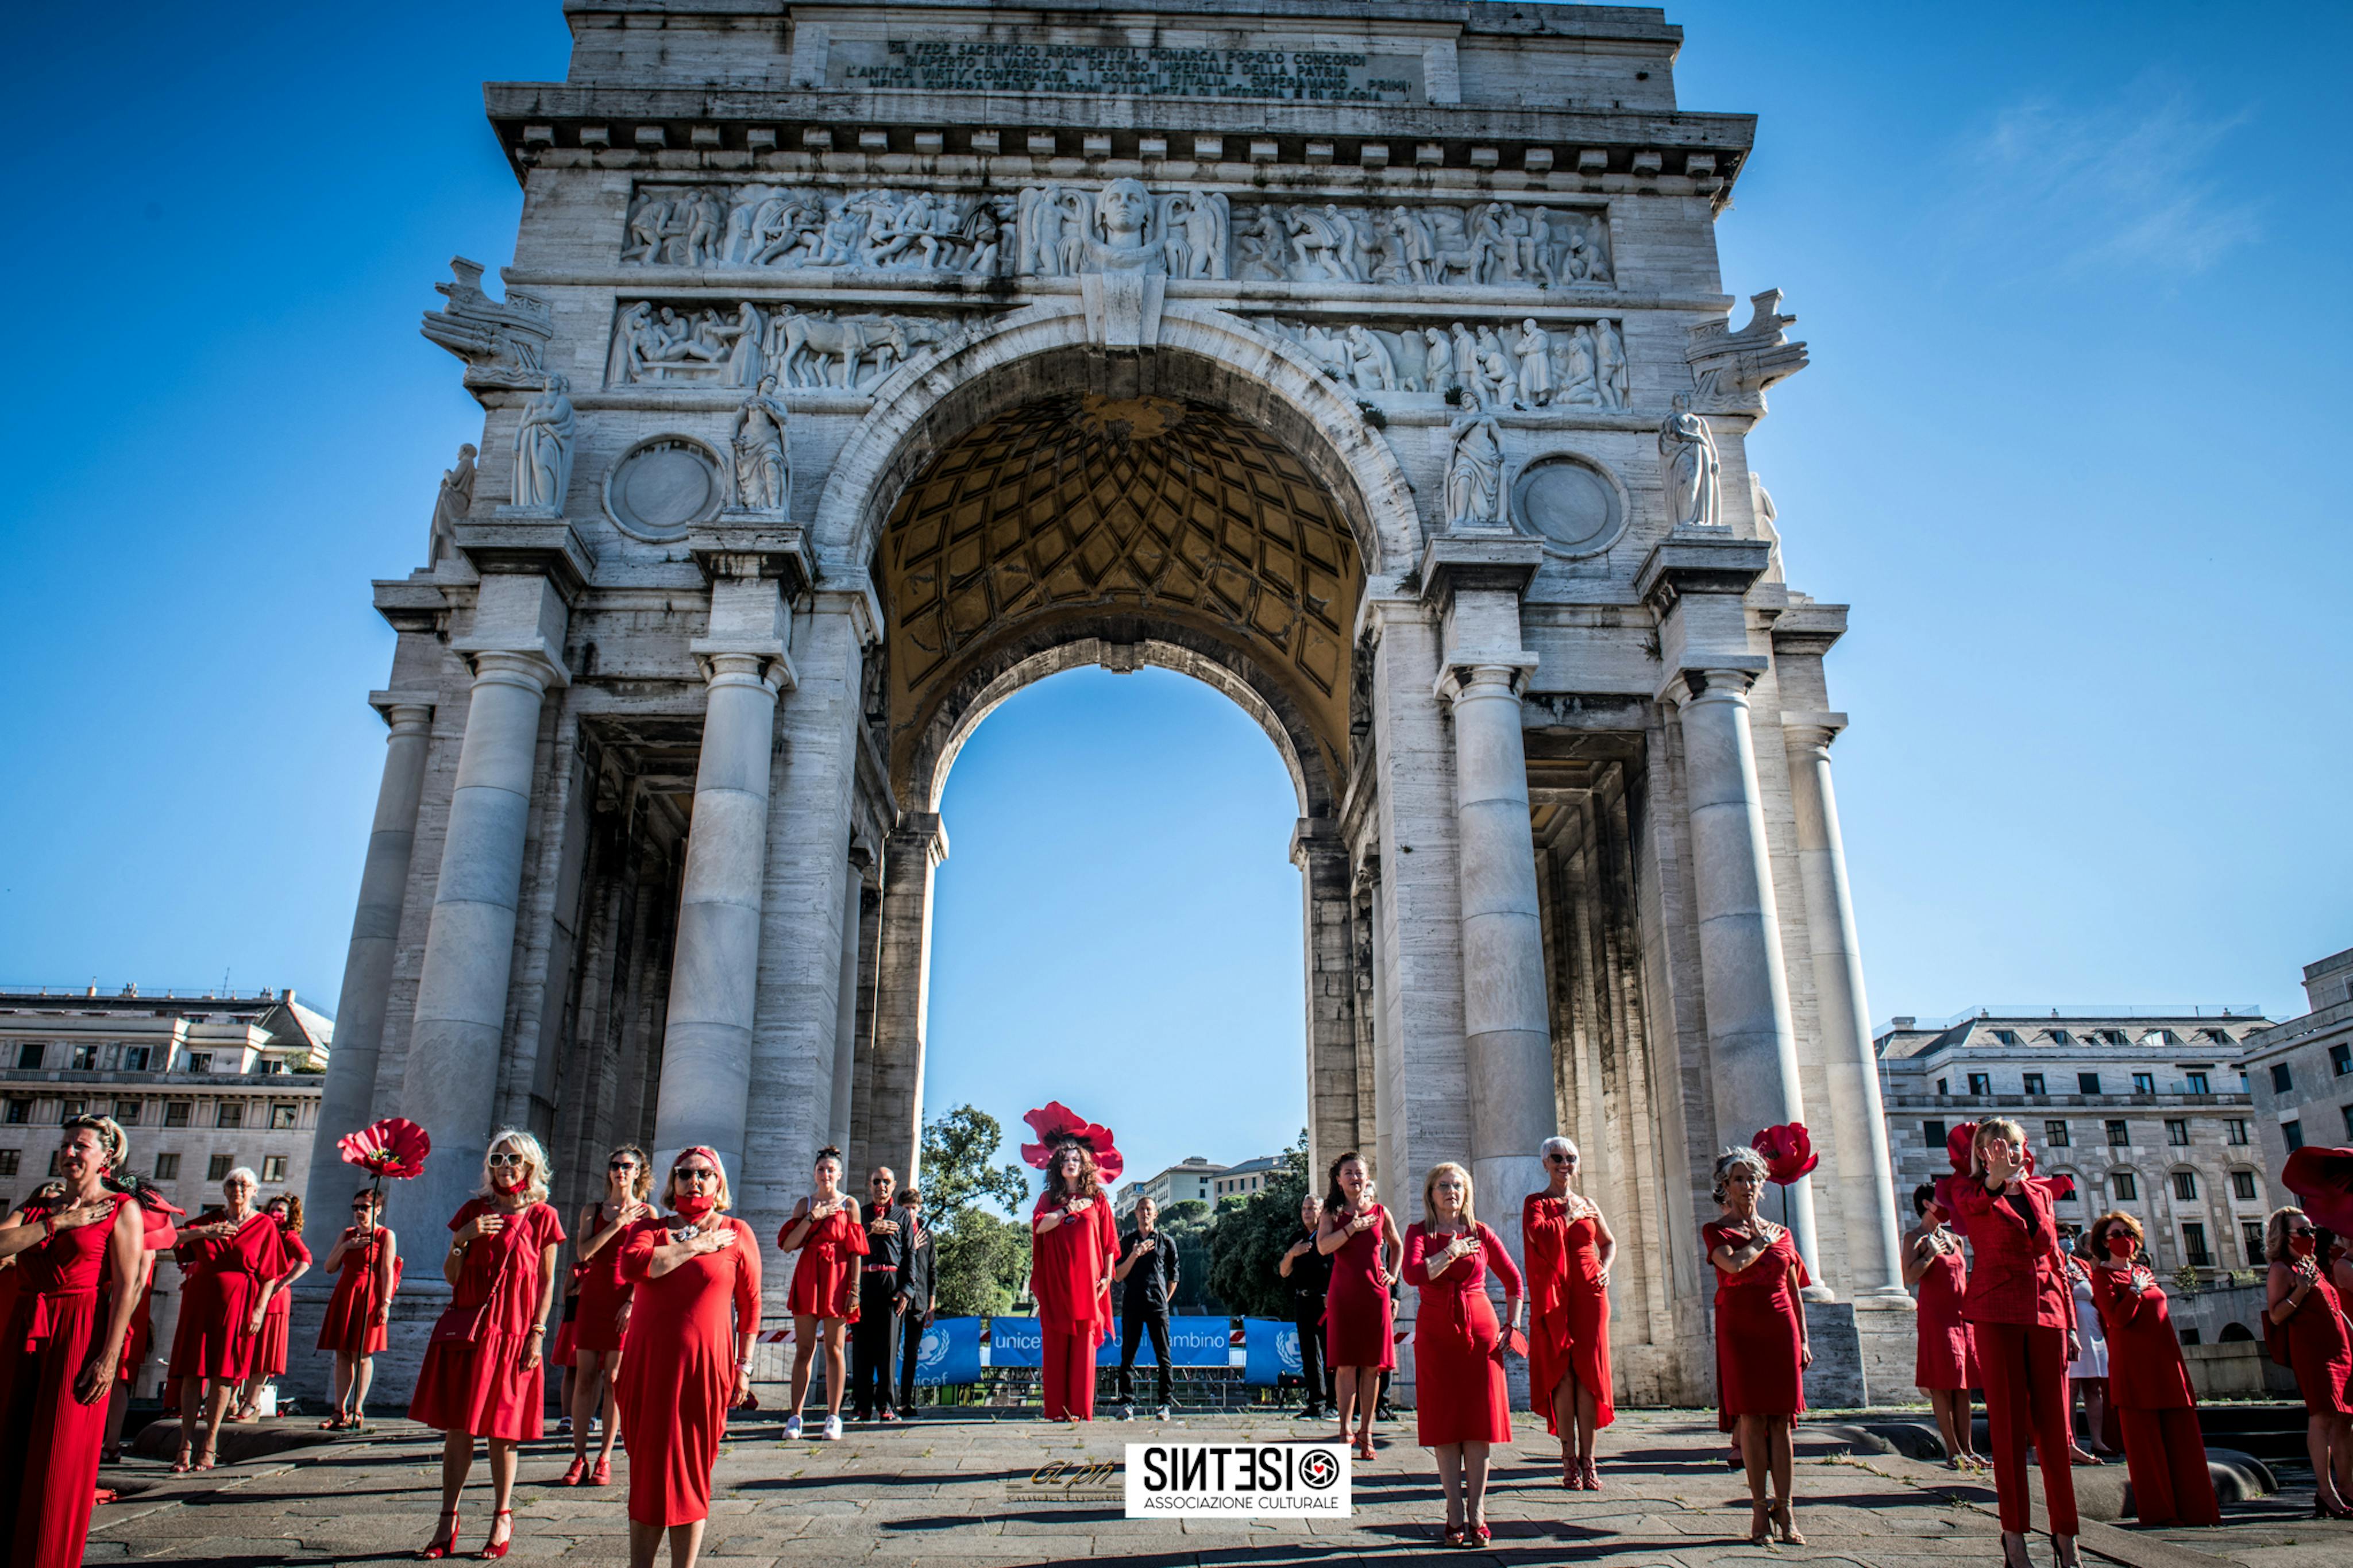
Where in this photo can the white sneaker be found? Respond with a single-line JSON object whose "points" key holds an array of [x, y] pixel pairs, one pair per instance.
{"points": [[833, 1428], [1161, 1415], [1127, 1412], [792, 1428]]}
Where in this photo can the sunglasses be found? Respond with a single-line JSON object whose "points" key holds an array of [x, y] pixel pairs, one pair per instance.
{"points": [[362, 1208], [696, 1173], [878, 1181], [2301, 1230], [620, 1164], [1562, 1159], [504, 1160]]}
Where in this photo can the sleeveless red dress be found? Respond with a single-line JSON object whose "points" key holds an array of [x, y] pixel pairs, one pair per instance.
{"points": [[348, 1329], [221, 1278], [678, 1367], [48, 1439], [270, 1345], [1760, 1368], [1458, 1376], [1948, 1353], [1359, 1325], [825, 1275], [2320, 1352], [483, 1387], [1568, 1307], [597, 1326]]}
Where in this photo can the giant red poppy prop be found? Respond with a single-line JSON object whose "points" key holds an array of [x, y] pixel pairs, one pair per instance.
{"points": [[390, 1149], [1057, 1124], [1788, 1153], [1958, 1143], [2323, 1178]]}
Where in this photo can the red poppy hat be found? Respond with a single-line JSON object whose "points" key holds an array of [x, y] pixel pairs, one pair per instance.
{"points": [[2323, 1178], [1056, 1124]]}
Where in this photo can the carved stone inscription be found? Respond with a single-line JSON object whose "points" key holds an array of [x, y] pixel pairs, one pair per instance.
{"points": [[982, 65], [1495, 243]]}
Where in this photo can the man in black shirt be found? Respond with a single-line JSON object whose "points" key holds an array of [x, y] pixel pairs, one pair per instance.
{"points": [[875, 1338], [1146, 1274], [1310, 1276], [917, 1290]]}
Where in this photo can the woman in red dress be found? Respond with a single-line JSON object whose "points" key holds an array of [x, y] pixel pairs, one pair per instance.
{"points": [[1073, 1245], [483, 1371], [603, 1307], [2023, 1310], [1570, 1251], [1457, 1346], [226, 1260], [827, 1232], [2148, 1387], [274, 1312], [1361, 1238], [694, 1317], [366, 1263], [1761, 1352], [64, 1341], [2303, 1305], [1944, 1367]]}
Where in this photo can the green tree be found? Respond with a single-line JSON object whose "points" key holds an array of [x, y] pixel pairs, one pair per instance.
{"points": [[982, 1258], [1250, 1237], [1188, 1225], [981, 1266], [2185, 1280]]}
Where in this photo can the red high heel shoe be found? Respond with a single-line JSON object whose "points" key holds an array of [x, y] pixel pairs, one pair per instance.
{"points": [[602, 1476], [442, 1544], [495, 1548], [573, 1472]]}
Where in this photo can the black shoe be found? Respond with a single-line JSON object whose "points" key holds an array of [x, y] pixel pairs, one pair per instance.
{"points": [[1382, 1412]]}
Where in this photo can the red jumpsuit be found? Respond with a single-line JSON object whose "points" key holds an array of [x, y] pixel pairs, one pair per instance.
{"points": [[1568, 1307], [2149, 1390], [1760, 1329], [1070, 1272], [678, 1366], [2022, 1307], [48, 1439], [1457, 1369]]}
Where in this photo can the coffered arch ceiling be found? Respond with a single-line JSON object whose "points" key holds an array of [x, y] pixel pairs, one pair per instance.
{"points": [[1077, 507]]}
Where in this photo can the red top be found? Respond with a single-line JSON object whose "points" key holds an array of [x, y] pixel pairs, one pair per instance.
{"points": [[1070, 1268], [2017, 1274], [67, 1263], [502, 1268], [2144, 1370], [258, 1249]]}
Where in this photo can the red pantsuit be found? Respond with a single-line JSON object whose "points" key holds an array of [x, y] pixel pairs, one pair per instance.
{"points": [[2149, 1389], [50, 1439], [2022, 1308], [1568, 1307], [1069, 1270], [678, 1365]]}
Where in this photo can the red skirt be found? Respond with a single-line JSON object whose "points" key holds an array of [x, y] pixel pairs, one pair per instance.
{"points": [[825, 1287], [481, 1388], [211, 1341], [1458, 1387], [1574, 1339], [270, 1344], [346, 1329]]}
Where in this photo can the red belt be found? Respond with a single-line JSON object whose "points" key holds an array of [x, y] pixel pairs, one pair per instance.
{"points": [[44, 1314], [880, 1268]]}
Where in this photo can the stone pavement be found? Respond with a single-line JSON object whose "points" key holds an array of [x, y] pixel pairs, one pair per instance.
{"points": [[961, 1491]]}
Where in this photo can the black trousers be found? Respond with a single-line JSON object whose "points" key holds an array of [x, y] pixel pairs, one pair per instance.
{"points": [[873, 1346], [1323, 1385], [1131, 1325], [911, 1333]]}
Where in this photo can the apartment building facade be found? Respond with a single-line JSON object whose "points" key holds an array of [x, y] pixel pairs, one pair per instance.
{"points": [[2301, 1072]]}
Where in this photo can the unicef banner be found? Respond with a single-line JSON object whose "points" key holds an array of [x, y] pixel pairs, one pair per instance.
{"points": [[1014, 1342], [1271, 1348], [950, 1352], [1192, 1341]]}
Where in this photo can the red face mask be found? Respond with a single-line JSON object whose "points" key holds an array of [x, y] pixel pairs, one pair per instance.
{"points": [[2302, 1246], [2122, 1246], [505, 1189], [694, 1205]]}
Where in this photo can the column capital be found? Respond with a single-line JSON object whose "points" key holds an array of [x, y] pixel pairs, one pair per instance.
{"points": [[1812, 730], [1462, 673], [731, 658], [1316, 836], [1456, 563], [407, 712], [537, 663], [1726, 682], [920, 831]]}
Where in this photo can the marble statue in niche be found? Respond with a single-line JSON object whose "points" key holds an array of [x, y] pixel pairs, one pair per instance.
{"points": [[1689, 469], [764, 464], [544, 445], [1487, 244], [452, 502], [1474, 474]]}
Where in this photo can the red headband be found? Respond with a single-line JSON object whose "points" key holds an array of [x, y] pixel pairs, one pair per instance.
{"points": [[710, 1154]]}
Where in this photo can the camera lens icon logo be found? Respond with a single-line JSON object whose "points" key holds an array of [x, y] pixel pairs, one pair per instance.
{"points": [[1319, 1471]]}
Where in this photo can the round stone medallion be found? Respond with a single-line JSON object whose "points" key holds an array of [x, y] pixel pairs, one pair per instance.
{"points": [[1568, 505], [663, 486]]}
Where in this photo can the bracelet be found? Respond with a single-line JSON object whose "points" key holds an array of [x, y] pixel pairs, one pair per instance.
{"points": [[48, 1225]]}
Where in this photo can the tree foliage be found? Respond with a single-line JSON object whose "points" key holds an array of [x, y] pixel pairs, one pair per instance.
{"points": [[982, 1259], [1250, 1237], [1189, 1225]]}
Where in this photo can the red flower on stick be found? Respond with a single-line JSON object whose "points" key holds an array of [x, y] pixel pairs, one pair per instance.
{"points": [[392, 1149], [2323, 1178], [1056, 1123], [1788, 1153]]}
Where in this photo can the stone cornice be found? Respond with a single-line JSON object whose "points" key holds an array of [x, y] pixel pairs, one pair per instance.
{"points": [[1692, 561], [1501, 560], [512, 541], [742, 544], [412, 604], [1806, 627]]}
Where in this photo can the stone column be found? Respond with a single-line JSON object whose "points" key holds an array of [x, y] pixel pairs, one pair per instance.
{"points": [[1866, 1175], [845, 1040], [893, 1131], [348, 1101], [1330, 951], [706, 1070]]}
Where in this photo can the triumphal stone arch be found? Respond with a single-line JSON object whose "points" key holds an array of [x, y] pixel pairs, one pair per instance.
{"points": [[1368, 361]]}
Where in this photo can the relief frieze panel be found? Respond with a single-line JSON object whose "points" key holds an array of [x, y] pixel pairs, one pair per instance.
{"points": [[1483, 244], [657, 344], [1527, 364]]}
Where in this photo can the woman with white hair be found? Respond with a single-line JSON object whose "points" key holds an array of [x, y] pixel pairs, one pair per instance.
{"points": [[227, 1258], [1569, 1250], [1761, 1353], [482, 1376]]}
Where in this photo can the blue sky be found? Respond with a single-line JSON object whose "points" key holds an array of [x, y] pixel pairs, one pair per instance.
{"points": [[2072, 278]]}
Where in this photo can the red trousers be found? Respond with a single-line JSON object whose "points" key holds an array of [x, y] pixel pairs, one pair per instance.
{"points": [[1069, 1368], [2166, 1454], [2025, 1373]]}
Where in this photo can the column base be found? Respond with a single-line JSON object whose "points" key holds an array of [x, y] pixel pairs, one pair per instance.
{"points": [[1836, 1381]]}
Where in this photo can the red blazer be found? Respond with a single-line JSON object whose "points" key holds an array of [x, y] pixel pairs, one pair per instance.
{"points": [[2017, 1274]]}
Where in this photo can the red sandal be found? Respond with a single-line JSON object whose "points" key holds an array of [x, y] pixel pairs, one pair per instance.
{"points": [[442, 1544], [495, 1548]]}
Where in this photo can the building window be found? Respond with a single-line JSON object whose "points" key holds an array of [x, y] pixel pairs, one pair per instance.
{"points": [[175, 1112], [2292, 1134], [2144, 1083], [1944, 1086], [2006, 1036], [136, 1057], [2250, 1239], [2189, 1336], [1980, 1083], [273, 1167], [2125, 1187], [229, 1113], [2282, 1079], [2035, 1083], [2110, 1036], [126, 1111], [2184, 1185], [2087, 1083], [2220, 1036], [2119, 1135], [69, 1108], [19, 1112], [2177, 1132], [167, 1167], [2348, 1121], [2193, 1242], [217, 1168], [2061, 1038], [2340, 1059], [2243, 1186], [2235, 1131], [200, 1061], [284, 1116], [2198, 1084], [8, 1158], [1932, 1134], [84, 1059], [28, 1056], [2055, 1133], [272, 1065]]}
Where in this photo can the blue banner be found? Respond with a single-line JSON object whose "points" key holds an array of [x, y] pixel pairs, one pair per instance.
{"points": [[950, 1352], [1014, 1342], [1270, 1349]]}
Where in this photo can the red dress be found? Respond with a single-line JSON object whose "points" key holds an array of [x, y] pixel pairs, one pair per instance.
{"points": [[349, 1328], [270, 1345], [2320, 1352], [483, 1387], [1358, 1321], [825, 1275], [1070, 1273], [1759, 1336], [48, 1439], [597, 1326], [2149, 1390], [139, 1338], [1568, 1307], [1463, 1396], [1947, 1356], [678, 1367], [221, 1277]]}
